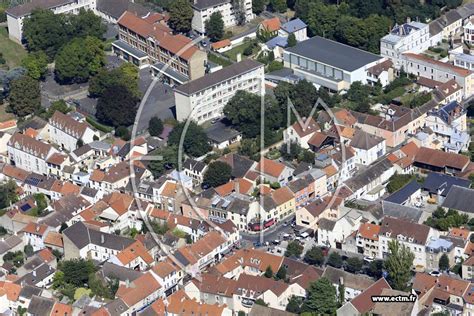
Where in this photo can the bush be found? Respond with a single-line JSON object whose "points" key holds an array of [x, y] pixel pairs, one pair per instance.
{"points": [[98, 126], [248, 50], [123, 133]]}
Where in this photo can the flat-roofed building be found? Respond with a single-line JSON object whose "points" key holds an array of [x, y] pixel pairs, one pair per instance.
{"points": [[330, 64], [204, 99]]}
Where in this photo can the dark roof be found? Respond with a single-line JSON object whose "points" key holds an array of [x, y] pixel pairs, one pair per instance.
{"points": [[460, 198], [220, 132], [402, 195], [27, 291], [333, 53], [240, 164], [40, 306], [195, 165], [203, 4], [435, 182], [372, 172], [27, 8], [397, 226], [37, 275], [260, 310], [353, 281], [364, 140], [401, 211], [115, 8], [110, 270], [80, 235], [130, 49], [326, 224], [218, 76]]}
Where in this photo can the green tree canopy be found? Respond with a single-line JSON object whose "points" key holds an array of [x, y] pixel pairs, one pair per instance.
{"points": [[398, 265], [314, 256], [281, 273], [76, 271], [215, 27], [79, 60], [125, 75], [155, 126], [181, 15], [117, 106], [321, 298], [335, 260], [86, 23], [258, 6], [294, 249], [8, 194], [36, 63], [443, 262], [294, 304], [25, 97], [278, 6], [292, 40], [195, 142], [268, 272], [354, 265], [169, 161], [46, 31], [217, 173]]}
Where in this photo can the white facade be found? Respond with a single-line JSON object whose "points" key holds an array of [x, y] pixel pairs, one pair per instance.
{"points": [[368, 156], [15, 21], [203, 11], [409, 37], [208, 102], [30, 157], [66, 138]]}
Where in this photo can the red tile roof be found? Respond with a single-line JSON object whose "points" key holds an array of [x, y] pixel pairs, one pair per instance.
{"points": [[271, 25], [363, 302], [270, 167]]}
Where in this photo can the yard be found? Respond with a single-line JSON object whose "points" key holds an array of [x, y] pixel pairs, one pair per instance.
{"points": [[4, 116], [232, 54], [12, 52]]}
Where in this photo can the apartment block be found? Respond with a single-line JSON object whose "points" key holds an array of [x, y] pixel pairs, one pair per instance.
{"points": [[231, 12], [17, 15], [204, 99], [174, 57]]}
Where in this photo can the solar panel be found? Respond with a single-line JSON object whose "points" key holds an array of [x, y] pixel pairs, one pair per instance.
{"points": [[25, 207]]}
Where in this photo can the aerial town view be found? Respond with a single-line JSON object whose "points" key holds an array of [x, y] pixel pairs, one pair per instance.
{"points": [[236, 157]]}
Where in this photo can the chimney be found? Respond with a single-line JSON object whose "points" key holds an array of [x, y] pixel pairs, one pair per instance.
{"points": [[239, 57], [34, 273], [102, 238], [408, 19], [341, 280]]}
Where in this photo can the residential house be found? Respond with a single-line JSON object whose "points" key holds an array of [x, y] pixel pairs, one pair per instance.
{"points": [[29, 154], [204, 99], [354, 284], [412, 235], [368, 148], [212, 289], [275, 172], [367, 239], [438, 185], [440, 161], [309, 215], [221, 135], [333, 233], [195, 170], [459, 198], [301, 133], [67, 132], [296, 27], [168, 275], [135, 257], [34, 235]]}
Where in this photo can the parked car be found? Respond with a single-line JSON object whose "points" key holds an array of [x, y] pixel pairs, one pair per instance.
{"points": [[369, 259], [276, 242]]}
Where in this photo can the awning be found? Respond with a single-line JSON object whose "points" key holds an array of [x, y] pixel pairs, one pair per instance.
{"points": [[170, 72], [123, 46]]}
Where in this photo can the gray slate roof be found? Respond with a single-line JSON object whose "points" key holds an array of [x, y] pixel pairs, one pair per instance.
{"points": [[221, 132], [333, 53], [353, 281], [115, 8], [40, 306], [401, 211], [366, 141], [369, 174], [27, 8], [80, 235], [203, 4], [460, 198], [214, 78]]}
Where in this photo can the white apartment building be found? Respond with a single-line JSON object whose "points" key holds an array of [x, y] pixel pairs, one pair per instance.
{"points": [[368, 148], [409, 37], [422, 66], [412, 235], [229, 10], [204, 98], [65, 131], [29, 154], [16, 15], [469, 32], [465, 61]]}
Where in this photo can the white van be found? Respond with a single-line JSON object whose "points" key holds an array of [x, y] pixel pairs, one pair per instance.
{"points": [[304, 235]]}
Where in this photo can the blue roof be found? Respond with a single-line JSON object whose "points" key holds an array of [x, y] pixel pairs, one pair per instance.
{"points": [[439, 243], [402, 195], [444, 111], [277, 41], [443, 182], [293, 26]]}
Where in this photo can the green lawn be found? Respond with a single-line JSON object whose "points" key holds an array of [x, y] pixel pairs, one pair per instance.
{"points": [[232, 54], [218, 60], [12, 52]]}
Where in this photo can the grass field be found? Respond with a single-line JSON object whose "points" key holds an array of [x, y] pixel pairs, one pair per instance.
{"points": [[232, 54], [12, 52]]}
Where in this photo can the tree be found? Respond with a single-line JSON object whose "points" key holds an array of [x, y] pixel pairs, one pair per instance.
{"points": [[354, 265], [375, 269], [335, 260], [258, 6], [126, 75], [63, 227], [80, 59], [443, 262], [25, 96], [181, 14], [169, 161], [398, 181], [195, 142], [215, 27], [155, 126], [46, 31], [294, 304], [261, 302], [268, 272], [8, 194], [398, 265], [341, 290], [278, 6], [77, 271], [123, 132], [86, 23], [3, 231], [281, 274], [28, 250], [60, 106], [218, 173], [320, 298], [294, 249], [36, 64], [292, 40], [314, 256], [117, 106]]}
